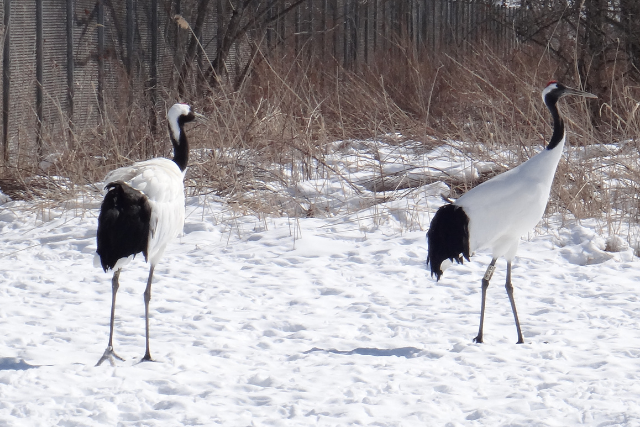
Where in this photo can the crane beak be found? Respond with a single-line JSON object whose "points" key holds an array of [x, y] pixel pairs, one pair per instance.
{"points": [[199, 116], [569, 91]]}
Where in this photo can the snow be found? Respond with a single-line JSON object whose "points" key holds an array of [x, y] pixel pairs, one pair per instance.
{"points": [[331, 320]]}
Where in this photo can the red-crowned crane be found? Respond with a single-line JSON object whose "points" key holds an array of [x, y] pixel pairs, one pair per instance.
{"points": [[143, 211], [496, 213]]}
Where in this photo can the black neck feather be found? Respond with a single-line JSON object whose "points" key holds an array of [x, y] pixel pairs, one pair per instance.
{"points": [[558, 123], [181, 146]]}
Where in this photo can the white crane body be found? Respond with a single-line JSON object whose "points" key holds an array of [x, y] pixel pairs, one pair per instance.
{"points": [[508, 206], [161, 181]]}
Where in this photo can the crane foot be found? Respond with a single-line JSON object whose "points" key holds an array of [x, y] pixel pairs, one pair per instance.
{"points": [[109, 354], [147, 358]]}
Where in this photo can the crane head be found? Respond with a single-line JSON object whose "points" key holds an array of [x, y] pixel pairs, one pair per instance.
{"points": [[178, 115], [556, 90]]}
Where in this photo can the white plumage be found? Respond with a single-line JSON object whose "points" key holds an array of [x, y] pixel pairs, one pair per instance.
{"points": [[161, 181], [143, 210], [508, 206], [496, 213]]}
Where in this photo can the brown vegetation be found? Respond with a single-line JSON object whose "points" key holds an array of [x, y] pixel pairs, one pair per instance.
{"points": [[275, 127]]}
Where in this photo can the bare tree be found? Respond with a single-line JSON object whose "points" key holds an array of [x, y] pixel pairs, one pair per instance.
{"points": [[630, 23], [244, 17], [192, 47], [588, 37]]}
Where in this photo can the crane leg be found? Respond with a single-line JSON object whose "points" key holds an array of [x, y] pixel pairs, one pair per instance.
{"points": [[509, 288], [109, 353], [485, 285], [147, 298]]}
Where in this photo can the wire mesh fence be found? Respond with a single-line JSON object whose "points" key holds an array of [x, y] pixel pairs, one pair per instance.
{"points": [[67, 63]]}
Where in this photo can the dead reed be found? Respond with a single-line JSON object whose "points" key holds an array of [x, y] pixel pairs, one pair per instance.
{"points": [[275, 131]]}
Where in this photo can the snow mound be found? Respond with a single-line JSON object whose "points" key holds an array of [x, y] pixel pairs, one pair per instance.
{"points": [[583, 246]]}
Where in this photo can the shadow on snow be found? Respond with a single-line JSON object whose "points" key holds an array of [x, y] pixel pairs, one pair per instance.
{"points": [[407, 352], [12, 363]]}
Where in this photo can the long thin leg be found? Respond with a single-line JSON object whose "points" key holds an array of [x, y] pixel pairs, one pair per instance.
{"points": [[109, 353], [485, 285], [509, 288], [147, 298]]}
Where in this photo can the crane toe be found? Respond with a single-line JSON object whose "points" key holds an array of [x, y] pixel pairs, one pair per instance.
{"points": [[147, 358], [109, 355]]}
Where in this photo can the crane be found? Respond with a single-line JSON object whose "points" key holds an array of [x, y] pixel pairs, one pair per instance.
{"points": [[496, 213], [142, 211]]}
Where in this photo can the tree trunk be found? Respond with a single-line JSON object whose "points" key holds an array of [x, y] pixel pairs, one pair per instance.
{"points": [[630, 21], [192, 48], [236, 29], [592, 61]]}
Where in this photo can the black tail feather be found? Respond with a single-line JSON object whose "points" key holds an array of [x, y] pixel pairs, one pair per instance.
{"points": [[448, 237], [123, 224]]}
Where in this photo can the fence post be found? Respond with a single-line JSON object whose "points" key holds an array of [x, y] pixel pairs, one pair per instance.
{"points": [[177, 11], [101, 60], [154, 68], [269, 30], [6, 81], [297, 31], [130, 33], [345, 33], [433, 44], [221, 14], [70, 67], [414, 9], [336, 30], [323, 32], [311, 40], [129, 65], [368, 38], [39, 81], [376, 28]]}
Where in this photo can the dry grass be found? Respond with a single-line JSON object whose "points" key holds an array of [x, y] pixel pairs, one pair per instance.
{"points": [[276, 129]]}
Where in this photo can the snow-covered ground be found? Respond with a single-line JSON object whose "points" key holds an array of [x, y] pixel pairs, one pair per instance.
{"points": [[326, 321]]}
